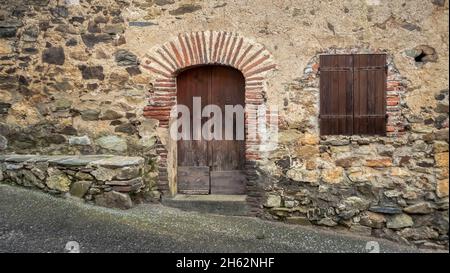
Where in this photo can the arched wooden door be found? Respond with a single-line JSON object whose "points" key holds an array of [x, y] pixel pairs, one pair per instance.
{"points": [[211, 166]]}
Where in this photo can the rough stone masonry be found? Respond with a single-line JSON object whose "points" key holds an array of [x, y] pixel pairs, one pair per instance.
{"points": [[72, 82]]}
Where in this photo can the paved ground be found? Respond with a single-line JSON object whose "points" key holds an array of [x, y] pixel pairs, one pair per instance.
{"points": [[31, 221]]}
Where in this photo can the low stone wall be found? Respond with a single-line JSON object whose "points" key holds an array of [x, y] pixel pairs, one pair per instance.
{"points": [[395, 188], [105, 180]]}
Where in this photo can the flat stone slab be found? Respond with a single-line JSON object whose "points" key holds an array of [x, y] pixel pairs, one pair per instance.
{"points": [[17, 158], [110, 161], [78, 160], [118, 161]]}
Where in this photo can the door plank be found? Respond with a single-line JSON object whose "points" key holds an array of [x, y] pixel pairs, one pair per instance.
{"points": [[228, 182], [193, 180]]}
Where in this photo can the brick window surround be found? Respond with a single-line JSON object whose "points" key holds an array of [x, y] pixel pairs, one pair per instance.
{"points": [[187, 50]]}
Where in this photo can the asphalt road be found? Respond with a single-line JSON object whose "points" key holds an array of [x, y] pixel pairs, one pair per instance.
{"points": [[31, 221]]}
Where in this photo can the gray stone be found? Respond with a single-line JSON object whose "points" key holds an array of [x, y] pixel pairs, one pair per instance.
{"points": [[3, 143], [72, 42], [92, 72], [273, 201], [53, 55], [30, 34], [411, 26], [31, 178], [132, 185], [113, 143], [399, 221], [80, 188], [39, 173], [336, 141], [372, 219], [164, 2], [103, 174], [7, 32], [60, 11], [8, 28], [18, 158], [186, 8], [126, 128], [62, 104], [141, 24], [441, 107], [356, 203], [420, 208], [421, 233], [79, 140], [90, 114], [72, 2], [57, 180], [127, 173], [4, 107], [441, 134], [125, 58], [114, 199], [83, 176], [110, 114], [439, 3], [386, 209], [91, 40], [119, 161]]}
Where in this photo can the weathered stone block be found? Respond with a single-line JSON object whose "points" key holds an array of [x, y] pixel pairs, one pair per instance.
{"points": [[80, 188], [114, 199], [399, 221], [57, 180], [90, 40], [442, 188], [113, 143], [53, 55], [79, 140], [420, 208], [441, 159], [333, 176], [378, 162], [273, 201], [92, 72], [374, 220]]}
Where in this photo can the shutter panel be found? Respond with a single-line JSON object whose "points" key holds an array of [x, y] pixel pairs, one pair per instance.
{"points": [[336, 92], [369, 94]]}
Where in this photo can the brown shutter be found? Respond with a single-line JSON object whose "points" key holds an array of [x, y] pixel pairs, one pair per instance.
{"points": [[369, 94], [336, 92]]}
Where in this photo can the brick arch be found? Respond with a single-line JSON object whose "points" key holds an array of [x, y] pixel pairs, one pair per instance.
{"points": [[165, 62]]}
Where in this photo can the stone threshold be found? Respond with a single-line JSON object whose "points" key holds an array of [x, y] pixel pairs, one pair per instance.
{"points": [[234, 205]]}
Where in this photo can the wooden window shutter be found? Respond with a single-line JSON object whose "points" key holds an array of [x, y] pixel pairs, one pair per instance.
{"points": [[352, 94], [336, 94], [369, 100]]}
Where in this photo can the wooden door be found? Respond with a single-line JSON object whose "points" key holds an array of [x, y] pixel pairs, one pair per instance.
{"points": [[211, 166]]}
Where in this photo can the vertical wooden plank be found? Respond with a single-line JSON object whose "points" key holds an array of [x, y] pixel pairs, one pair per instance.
{"points": [[192, 155], [228, 88], [336, 95], [370, 94]]}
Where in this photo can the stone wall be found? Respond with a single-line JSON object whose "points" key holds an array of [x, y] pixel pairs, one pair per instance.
{"points": [[71, 82], [393, 186], [109, 181]]}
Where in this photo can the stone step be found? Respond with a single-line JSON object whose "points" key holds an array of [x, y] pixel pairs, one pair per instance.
{"points": [[234, 205]]}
